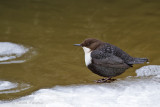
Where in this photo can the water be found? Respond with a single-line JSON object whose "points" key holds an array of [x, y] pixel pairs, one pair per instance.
{"points": [[38, 59]]}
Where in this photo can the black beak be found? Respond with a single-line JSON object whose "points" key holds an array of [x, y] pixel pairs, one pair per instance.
{"points": [[77, 44]]}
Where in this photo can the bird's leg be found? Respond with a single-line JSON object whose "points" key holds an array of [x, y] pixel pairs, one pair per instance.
{"points": [[110, 79], [105, 80], [101, 80]]}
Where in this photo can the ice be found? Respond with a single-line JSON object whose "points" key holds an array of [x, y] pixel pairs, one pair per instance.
{"points": [[135, 91], [127, 93], [9, 62], [150, 70], [11, 87], [8, 48], [7, 85], [9, 52]]}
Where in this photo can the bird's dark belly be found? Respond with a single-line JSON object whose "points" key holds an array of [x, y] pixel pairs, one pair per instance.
{"points": [[106, 71]]}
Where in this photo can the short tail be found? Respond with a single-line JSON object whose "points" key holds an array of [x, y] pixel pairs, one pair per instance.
{"points": [[138, 61]]}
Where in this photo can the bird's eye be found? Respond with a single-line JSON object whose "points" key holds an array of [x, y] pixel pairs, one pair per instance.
{"points": [[88, 44]]}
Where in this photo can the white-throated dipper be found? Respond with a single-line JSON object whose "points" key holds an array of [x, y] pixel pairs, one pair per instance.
{"points": [[107, 60]]}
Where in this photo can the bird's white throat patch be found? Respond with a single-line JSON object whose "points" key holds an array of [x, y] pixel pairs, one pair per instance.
{"points": [[88, 58]]}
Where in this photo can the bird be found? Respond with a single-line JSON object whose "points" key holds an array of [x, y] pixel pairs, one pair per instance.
{"points": [[107, 60]]}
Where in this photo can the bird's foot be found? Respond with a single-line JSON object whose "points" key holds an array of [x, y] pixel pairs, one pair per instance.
{"points": [[104, 80]]}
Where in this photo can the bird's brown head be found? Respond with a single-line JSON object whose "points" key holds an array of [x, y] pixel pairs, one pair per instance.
{"points": [[90, 43]]}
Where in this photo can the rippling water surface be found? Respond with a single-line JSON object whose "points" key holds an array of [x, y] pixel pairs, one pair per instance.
{"points": [[40, 66]]}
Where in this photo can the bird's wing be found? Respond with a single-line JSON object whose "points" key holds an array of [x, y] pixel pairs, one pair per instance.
{"points": [[107, 59], [116, 52]]}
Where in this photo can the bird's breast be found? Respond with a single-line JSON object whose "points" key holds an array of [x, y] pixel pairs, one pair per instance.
{"points": [[88, 59]]}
